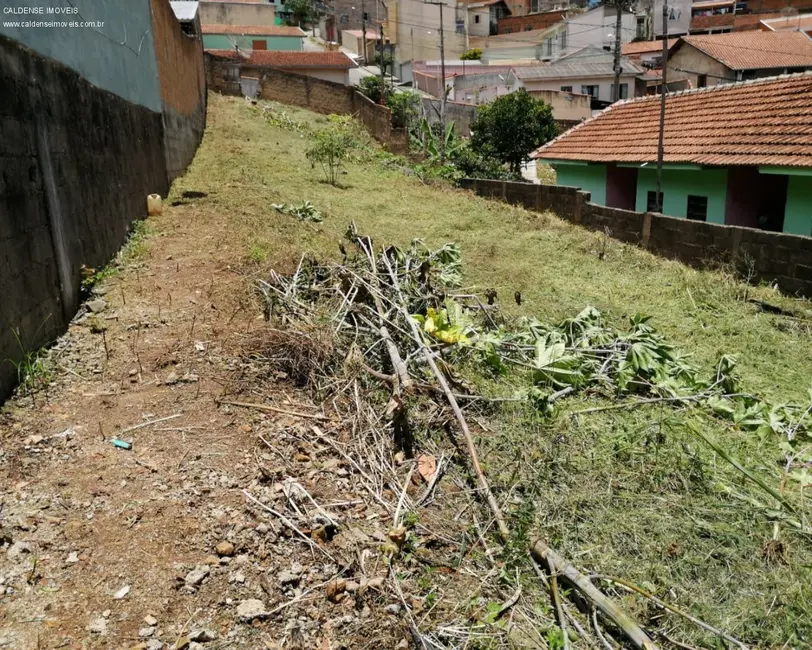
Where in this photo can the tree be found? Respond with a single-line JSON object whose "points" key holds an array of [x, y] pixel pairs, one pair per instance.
{"points": [[374, 88], [474, 54], [331, 147], [301, 11], [511, 127]]}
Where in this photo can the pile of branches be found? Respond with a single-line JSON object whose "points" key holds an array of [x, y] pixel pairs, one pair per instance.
{"points": [[398, 318]]}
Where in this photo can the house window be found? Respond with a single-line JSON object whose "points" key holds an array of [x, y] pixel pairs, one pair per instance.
{"points": [[624, 91], [534, 6], [366, 16], [476, 18], [549, 47], [702, 81], [563, 41], [566, 89], [259, 44], [590, 90], [652, 205], [697, 208]]}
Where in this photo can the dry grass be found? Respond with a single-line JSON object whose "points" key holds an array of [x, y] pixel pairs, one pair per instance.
{"points": [[630, 493]]}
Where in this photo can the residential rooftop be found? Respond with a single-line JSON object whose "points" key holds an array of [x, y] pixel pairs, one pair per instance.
{"points": [[762, 122], [645, 47], [754, 50], [290, 60], [586, 62], [252, 30]]}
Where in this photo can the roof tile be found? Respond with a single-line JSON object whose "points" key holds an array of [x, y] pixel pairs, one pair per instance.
{"points": [[290, 60], [253, 30], [753, 50], [763, 122]]}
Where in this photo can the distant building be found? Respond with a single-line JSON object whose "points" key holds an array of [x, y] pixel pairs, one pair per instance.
{"points": [[588, 72], [738, 56], [788, 23], [737, 154], [252, 37], [237, 13], [330, 66], [353, 40]]}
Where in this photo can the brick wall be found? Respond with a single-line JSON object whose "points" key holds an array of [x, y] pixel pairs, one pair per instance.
{"points": [[76, 165], [516, 24], [319, 95], [775, 257], [183, 88]]}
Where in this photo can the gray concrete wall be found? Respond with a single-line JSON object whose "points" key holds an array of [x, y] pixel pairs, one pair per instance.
{"points": [[461, 114], [118, 55], [76, 165], [775, 257]]}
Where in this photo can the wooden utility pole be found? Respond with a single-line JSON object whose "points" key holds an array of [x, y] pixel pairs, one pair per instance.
{"points": [[663, 91], [442, 81], [618, 27], [363, 52], [381, 62]]}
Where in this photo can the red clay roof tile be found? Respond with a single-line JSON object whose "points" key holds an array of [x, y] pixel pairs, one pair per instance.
{"points": [[289, 60], [253, 30], [764, 122], [753, 50]]}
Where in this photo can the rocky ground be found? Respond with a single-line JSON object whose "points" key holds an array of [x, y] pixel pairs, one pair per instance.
{"points": [[222, 525]]}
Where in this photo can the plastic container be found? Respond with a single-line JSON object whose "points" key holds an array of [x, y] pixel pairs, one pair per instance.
{"points": [[154, 204]]}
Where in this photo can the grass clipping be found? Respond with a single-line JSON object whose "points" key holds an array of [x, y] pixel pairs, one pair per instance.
{"points": [[396, 320]]}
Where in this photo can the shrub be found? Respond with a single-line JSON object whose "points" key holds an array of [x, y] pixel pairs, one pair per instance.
{"points": [[374, 88], [331, 147], [474, 54], [404, 108]]}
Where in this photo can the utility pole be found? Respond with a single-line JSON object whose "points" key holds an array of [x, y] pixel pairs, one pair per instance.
{"points": [[663, 91], [364, 32], [381, 62], [618, 26], [442, 81]]}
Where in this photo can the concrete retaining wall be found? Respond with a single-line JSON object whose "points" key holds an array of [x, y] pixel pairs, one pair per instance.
{"points": [[76, 165], [775, 257], [317, 95]]}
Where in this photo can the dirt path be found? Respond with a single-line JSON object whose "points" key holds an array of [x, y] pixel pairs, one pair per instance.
{"points": [[116, 548]]}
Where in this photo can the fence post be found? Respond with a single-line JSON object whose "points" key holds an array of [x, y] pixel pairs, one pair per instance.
{"points": [[504, 190], [646, 235], [579, 207]]}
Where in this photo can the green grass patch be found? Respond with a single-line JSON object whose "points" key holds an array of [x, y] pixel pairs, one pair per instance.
{"points": [[633, 493]]}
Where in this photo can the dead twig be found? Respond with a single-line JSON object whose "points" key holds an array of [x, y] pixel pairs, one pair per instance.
{"points": [[274, 409], [146, 424]]}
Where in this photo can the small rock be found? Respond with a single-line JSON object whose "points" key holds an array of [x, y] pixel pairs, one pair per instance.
{"points": [[289, 578], [154, 644], [197, 575], [17, 549], [336, 589], [121, 593], [73, 557], [262, 529], [203, 636], [237, 577], [144, 632], [351, 587], [394, 608], [150, 620], [97, 305], [97, 626], [195, 646], [211, 559], [250, 609], [106, 613], [225, 548]]}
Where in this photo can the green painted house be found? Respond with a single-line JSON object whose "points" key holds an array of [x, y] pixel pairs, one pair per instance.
{"points": [[737, 154], [275, 38]]}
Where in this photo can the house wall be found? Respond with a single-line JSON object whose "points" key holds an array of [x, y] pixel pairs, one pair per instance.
{"points": [[129, 74], [237, 13], [678, 184], [481, 28], [590, 178], [76, 164], [417, 43], [566, 106], [523, 23], [604, 85], [326, 74], [593, 28], [274, 43], [775, 257], [183, 88], [688, 62], [462, 115], [798, 211]]}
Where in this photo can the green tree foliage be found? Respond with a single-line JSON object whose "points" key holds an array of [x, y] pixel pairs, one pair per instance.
{"points": [[404, 107], [474, 54], [374, 88], [301, 12], [331, 147], [511, 127]]}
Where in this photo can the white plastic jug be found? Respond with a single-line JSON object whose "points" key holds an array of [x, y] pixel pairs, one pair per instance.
{"points": [[154, 204]]}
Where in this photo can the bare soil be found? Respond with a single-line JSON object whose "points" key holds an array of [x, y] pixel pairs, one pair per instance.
{"points": [[100, 542]]}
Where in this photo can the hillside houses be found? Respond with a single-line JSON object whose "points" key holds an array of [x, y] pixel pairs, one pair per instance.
{"points": [[737, 154]]}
